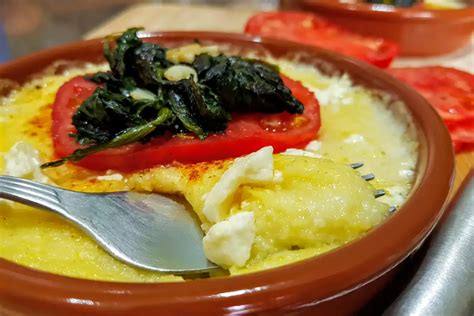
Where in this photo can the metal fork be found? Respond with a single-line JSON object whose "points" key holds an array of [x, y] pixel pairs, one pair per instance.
{"points": [[369, 177], [148, 231]]}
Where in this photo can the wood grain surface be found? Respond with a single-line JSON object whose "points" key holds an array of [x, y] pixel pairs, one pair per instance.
{"points": [[162, 17], [158, 17]]}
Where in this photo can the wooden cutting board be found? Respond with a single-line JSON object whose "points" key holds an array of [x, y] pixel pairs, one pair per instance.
{"points": [[158, 17], [162, 17]]}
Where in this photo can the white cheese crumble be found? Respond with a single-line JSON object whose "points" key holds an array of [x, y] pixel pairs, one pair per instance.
{"points": [[255, 168], [278, 176], [300, 152], [110, 177], [394, 195], [313, 145], [354, 138], [22, 160], [336, 93], [229, 240], [406, 173], [228, 243]]}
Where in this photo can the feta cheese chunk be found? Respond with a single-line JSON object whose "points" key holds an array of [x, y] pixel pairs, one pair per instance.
{"points": [[336, 93], [252, 169], [228, 243], [23, 161], [313, 145]]}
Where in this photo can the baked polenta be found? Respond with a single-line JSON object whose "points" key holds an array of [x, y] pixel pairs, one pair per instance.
{"points": [[258, 211]]}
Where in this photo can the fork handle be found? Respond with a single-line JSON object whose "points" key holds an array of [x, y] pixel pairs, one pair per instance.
{"points": [[443, 284], [30, 193]]}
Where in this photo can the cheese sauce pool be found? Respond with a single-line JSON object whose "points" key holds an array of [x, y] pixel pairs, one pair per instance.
{"points": [[356, 126]]}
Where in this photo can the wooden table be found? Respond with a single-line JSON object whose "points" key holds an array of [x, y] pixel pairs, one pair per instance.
{"points": [[157, 17]]}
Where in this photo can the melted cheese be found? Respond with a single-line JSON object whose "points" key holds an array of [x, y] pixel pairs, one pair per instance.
{"points": [[286, 207]]}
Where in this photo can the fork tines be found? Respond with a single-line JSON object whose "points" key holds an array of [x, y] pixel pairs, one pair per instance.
{"points": [[368, 177], [356, 165], [379, 193]]}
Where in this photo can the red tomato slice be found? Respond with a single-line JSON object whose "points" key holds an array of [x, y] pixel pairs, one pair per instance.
{"points": [[245, 133], [462, 132], [311, 29], [450, 92]]}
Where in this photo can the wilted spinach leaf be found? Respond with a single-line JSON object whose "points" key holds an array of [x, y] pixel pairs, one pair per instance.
{"points": [[135, 102], [201, 103], [116, 56], [146, 64], [127, 136], [105, 114], [245, 85]]}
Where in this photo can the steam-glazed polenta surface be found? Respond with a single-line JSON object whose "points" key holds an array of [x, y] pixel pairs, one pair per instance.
{"points": [[258, 211]]}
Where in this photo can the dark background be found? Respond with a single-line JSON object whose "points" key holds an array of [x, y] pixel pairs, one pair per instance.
{"points": [[30, 25]]}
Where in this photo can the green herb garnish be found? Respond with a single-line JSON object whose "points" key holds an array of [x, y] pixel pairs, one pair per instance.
{"points": [[136, 102]]}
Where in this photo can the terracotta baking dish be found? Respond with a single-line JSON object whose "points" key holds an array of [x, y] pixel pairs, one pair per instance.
{"points": [[419, 31], [338, 282]]}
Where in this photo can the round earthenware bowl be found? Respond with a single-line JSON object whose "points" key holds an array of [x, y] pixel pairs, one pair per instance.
{"points": [[340, 281], [418, 30]]}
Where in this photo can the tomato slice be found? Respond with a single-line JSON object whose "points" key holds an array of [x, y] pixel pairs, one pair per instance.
{"points": [[462, 132], [451, 92], [313, 30], [245, 133]]}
